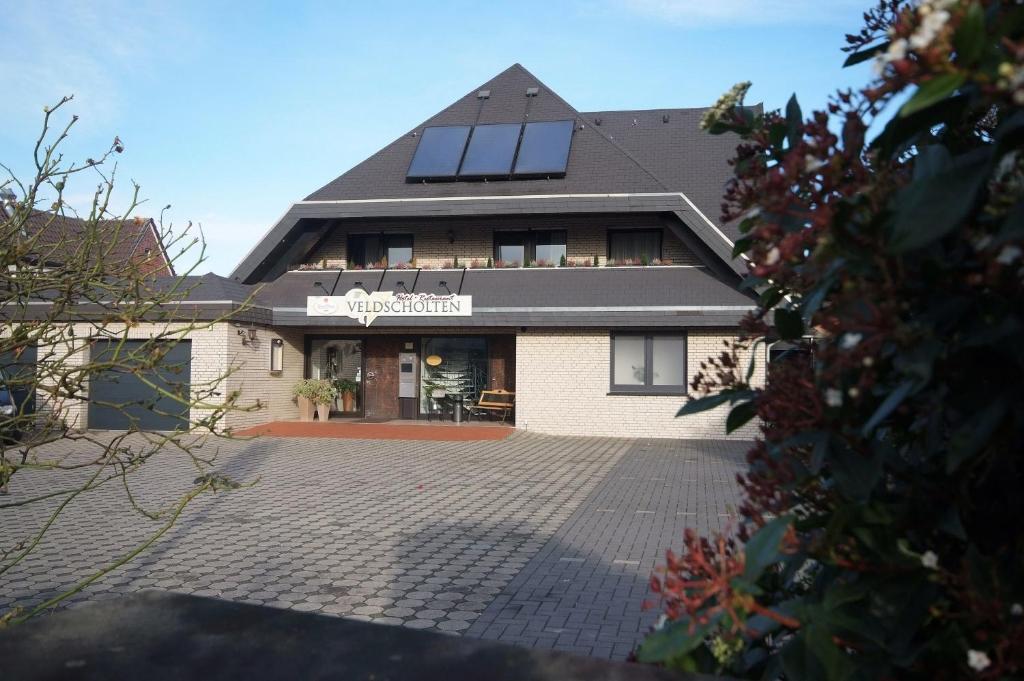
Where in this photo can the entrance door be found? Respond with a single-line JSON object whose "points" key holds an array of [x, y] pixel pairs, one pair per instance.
{"points": [[340, 360]]}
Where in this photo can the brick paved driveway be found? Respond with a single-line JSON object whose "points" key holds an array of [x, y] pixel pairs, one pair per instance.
{"points": [[536, 540]]}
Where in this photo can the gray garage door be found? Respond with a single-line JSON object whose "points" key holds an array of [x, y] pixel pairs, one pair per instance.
{"points": [[119, 400]]}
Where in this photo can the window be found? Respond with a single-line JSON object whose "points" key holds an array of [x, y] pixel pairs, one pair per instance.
{"points": [[369, 250], [545, 247], [648, 363], [461, 368], [634, 244]]}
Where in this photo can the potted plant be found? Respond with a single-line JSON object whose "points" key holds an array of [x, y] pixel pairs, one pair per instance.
{"points": [[347, 388], [304, 392], [323, 396]]}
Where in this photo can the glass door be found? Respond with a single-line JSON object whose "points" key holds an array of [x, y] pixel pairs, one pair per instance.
{"points": [[340, 360]]}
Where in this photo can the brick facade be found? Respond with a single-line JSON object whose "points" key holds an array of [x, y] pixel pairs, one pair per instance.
{"points": [[221, 364], [474, 240], [562, 384], [561, 380]]}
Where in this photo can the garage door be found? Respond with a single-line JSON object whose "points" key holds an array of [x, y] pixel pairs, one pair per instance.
{"points": [[120, 400]]}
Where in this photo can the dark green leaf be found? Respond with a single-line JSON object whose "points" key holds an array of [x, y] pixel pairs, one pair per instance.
{"points": [[970, 39], [901, 132], [855, 474], [695, 406], [673, 641], [789, 324], [930, 208], [741, 246], [794, 121], [762, 549], [770, 298], [813, 301], [932, 91], [837, 664], [865, 54], [739, 416], [969, 438], [893, 400]]}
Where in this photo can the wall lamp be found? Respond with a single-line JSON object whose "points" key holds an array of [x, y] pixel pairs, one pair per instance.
{"points": [[248, 335], [320, 285], [277, 355]]}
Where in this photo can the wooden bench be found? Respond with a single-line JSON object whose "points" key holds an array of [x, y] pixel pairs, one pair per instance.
{"points": [[493, 402]]}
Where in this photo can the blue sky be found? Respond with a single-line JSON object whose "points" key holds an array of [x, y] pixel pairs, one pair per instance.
{"points": [[231, 114]]}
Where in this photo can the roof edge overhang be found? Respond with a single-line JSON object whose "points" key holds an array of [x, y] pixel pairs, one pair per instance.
{"points": [[658, 202]]}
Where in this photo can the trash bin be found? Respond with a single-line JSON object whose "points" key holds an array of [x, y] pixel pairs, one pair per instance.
{"points": [[457, 408]]}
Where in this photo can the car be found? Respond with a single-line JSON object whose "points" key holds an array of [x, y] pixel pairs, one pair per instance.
{"points": [[15, 404]]}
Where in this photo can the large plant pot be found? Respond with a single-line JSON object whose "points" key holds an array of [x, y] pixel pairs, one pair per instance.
{"points": [[348, 402], [306, 408], [323, 412]]}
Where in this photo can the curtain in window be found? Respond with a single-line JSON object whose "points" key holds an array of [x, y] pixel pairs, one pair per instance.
{"points": [[635, 245]]}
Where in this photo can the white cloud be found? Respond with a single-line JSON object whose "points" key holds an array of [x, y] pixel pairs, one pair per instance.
{"points": [[724, 13]]}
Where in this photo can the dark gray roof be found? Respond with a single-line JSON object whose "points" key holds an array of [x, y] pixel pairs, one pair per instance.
{"points": [[628, 152], [207, 287], [670, 143], [595, 297], [596, 164], [615, 166]]}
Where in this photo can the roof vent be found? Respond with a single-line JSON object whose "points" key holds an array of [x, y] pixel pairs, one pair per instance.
{"points": [[597, 121], [664, 118], [532, 91], [483, 94]]}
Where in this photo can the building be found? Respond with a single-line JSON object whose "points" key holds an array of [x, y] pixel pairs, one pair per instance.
{"points": [[57, 236], [508, 242]]}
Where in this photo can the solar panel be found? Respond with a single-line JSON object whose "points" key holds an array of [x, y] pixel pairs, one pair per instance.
{"points": [[438, 153], [491, 150], [544, 149]]}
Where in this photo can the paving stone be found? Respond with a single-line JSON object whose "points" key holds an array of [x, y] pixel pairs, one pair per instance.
{"points": [[480, 546], [420, 623]]}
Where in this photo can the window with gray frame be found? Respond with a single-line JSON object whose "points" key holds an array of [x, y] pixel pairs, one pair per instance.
{"points": [[523, 247], [634, 244], [368, 250], [649, 363]]}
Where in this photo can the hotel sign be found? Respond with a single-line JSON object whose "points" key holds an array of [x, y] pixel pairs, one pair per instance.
{"points": [[365, 307]]}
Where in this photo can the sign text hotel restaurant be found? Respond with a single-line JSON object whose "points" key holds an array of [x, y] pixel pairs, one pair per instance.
{"points": [[364, 307]]}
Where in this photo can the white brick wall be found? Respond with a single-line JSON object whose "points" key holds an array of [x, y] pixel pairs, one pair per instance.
{"points": [[253, 378], [215, 350], [562, 383]]}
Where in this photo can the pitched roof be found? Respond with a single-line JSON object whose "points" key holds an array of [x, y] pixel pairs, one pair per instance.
{"points": [[596, 164], [670, 143], [653, 150], [633, 159], [57, 237]]}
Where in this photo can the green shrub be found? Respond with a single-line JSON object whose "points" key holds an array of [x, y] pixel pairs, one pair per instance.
{"points": [[880, 533]]}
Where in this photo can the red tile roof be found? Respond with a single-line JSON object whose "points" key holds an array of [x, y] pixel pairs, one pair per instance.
{"points": [[135, 239]]}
